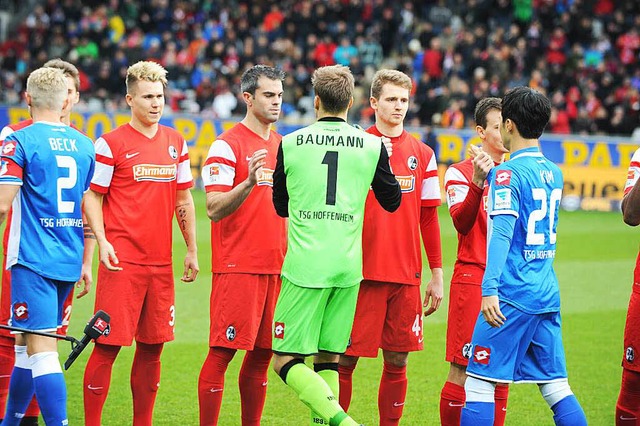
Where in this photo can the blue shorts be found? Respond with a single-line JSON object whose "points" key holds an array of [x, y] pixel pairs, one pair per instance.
{"points": [[527, 348], [36, 301]]}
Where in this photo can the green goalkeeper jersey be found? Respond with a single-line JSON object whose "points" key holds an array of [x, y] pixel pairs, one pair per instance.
{"points": [[322, 178]]}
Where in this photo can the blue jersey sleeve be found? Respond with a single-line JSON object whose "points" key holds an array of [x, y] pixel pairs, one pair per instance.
{"points": [[501, 235]]}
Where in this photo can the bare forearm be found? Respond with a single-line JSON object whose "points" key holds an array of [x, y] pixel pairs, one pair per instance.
{"points": [[186, 217], [222, 204], [631, 206], [92, 206]]}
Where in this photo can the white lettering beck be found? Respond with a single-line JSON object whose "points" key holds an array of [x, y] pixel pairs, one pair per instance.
{"points": [[63, 144]]}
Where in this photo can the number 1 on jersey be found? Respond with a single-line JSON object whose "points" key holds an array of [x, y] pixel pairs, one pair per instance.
{"points": [[331, 160]]}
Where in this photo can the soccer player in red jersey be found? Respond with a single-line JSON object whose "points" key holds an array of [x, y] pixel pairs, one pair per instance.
{"points": [[466, 196], [628, 405], [389, 309], [7, 350], [238, 178], [142, 178]]}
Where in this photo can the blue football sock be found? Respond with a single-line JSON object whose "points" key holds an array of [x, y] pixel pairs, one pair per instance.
{"points": [[20, 388], [476, 413], [51, 390], [568, 412]]}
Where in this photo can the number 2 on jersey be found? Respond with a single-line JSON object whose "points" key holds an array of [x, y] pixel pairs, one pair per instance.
{"points": [[540, 194], [331, 160], [69, 163]]}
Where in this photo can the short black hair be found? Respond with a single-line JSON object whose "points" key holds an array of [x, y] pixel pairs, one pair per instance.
{"points": [[529, 109], [249, 79]]}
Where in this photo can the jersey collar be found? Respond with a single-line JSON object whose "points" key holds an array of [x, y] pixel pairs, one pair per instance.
{"points": [[533, 151]]}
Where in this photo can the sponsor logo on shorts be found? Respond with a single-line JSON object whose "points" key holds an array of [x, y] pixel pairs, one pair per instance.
{"points": [[154, 172], [482, 355], [466, 350], [173, 152], [407, 183], [20, 311], [629, 354], [231, 333], [412, 163], [278, 330], [503, 177]]}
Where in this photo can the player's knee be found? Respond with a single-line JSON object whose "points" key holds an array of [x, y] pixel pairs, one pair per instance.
{"points": [[348, 361], [397, 359], [555, 392], [478, 390], [283, 367]]}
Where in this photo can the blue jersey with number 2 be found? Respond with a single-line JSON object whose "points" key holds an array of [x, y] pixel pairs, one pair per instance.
{"points": [[53, 164], [529, 188]]}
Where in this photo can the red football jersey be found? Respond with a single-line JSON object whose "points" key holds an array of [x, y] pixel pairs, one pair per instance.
{"points": [[253, 238], [468, 208], [139, 178], [391, 241]]}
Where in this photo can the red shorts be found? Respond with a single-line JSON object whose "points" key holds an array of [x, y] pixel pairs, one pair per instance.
{"points": [[388, 316], [140, 301], [631, 358], [241, 310], [465, 301], [5, 304]]}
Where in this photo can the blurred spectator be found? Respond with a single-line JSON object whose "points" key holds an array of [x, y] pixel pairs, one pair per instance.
{"points": [[587, 52]]}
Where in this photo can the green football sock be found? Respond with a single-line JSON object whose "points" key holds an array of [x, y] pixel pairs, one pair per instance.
{"points": [[332, 378], [314, 392]]}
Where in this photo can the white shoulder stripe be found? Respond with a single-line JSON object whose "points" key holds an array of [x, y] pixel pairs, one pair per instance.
{"points": [[103, 148], [454, 174], [220, 148]]}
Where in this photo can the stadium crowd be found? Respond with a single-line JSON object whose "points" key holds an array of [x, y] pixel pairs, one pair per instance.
{"points": [[584, 54]]}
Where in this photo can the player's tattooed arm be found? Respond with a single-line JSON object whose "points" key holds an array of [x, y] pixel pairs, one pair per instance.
{"points": [[186, 217]]}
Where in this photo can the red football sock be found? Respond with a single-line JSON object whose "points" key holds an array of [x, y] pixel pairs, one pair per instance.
{"points": [[7, 359], [253, 385], [346, 385], [628, 405], [452, 400], [392, 393], [501, 396], [97, 378], [211, 384], [145, 380]]}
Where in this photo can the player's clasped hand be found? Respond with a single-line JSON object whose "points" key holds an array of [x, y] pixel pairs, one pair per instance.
{"points": [[191, 268], [388, 145], [482, 165], [255, 165], [491, 311]]}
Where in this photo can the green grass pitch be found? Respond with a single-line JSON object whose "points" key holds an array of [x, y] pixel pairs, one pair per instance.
{"points": [[595, 261]]}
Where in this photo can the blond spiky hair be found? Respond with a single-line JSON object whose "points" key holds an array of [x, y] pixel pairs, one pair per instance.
{"points": [[147, 71], [47, 88], [394, 77]]}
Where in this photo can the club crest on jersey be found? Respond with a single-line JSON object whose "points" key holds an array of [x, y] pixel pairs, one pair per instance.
{"points": [[629, 354], [481, 355], [265, 178], [154, 172], [9, 148], [20, 311], [278, 330], [173, 152], [231, 333], [407, 183], [412, 163], [503, 177]]}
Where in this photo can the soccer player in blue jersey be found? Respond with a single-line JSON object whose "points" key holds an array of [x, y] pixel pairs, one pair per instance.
{"points": [[517, 336], [45, 170]]}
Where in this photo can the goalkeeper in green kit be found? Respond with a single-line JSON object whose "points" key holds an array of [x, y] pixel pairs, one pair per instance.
{"points": [[322, 177]]}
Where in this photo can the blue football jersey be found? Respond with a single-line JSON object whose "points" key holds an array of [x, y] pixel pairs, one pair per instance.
{"points": [[53, 164], [528, 187]]}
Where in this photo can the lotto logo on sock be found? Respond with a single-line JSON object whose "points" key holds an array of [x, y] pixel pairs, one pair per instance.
{"points": [[20, 311], [278, 330], [481, 355]]}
